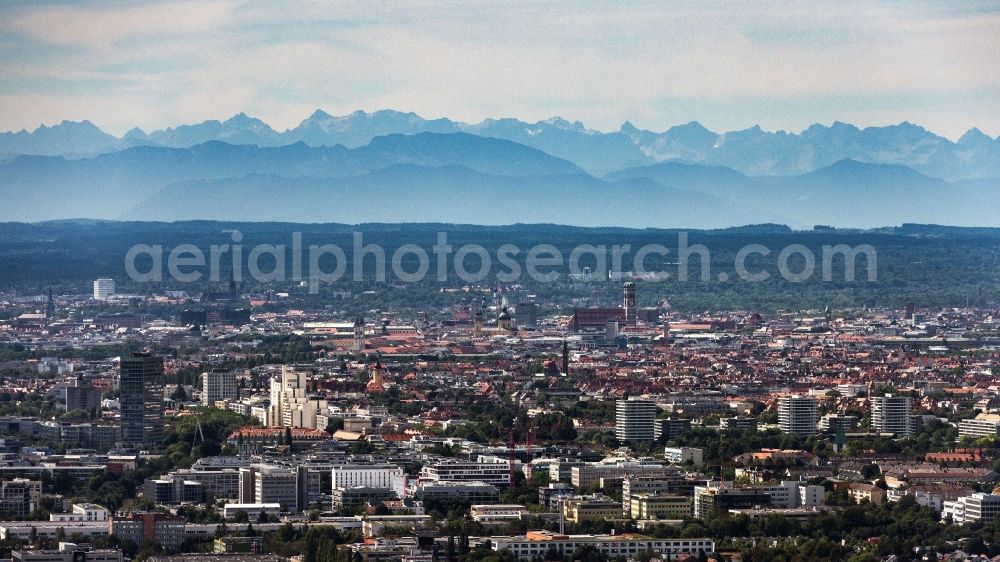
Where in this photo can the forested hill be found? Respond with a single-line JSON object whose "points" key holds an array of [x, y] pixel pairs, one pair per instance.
{"points": [[930, 265]]}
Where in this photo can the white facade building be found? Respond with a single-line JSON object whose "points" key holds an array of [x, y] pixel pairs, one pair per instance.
{"points": [[535, 544], [972, 509], [497, 513], [82, 512], [266, 484], [788, 494], [797, 414], [218, 385], [291, 405], [681, 455], [634, 419], [253, 510], [104, 289], [891, 414], [983, 425], [495, 473], [811, 495], [616, 467], [262, 414], [367, 475]]}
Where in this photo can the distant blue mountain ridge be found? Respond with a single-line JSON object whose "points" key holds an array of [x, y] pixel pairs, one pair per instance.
{"points": [[396, 167], [469, 179], [752, 151]]}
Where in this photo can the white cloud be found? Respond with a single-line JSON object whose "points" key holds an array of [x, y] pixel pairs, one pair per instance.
{"points": [[598, 62], [103, 26]]}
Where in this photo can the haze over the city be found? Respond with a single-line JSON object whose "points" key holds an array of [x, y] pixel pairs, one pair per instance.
{"points": [[479, 281]]}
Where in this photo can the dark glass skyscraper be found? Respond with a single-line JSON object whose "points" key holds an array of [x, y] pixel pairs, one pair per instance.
{"points": [[142, 399]]}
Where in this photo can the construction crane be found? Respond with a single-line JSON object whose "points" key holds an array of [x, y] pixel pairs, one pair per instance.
{"points": [[197, 433]]}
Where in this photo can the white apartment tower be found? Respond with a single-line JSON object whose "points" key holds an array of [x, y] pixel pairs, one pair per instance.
{"points": [[797, 414], [104, 289], [259, 484], [291, 405], [891, 414], [217, 385], [634, 419]]}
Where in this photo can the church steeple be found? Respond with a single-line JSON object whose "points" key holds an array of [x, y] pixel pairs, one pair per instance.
{"points": [[359, 334], [377, 382]]}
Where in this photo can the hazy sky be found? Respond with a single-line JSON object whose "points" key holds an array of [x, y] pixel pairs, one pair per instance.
{"points": [[729, 65]]}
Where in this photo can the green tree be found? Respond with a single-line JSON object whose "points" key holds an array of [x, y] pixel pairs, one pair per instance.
{"points": [[179, 395]]}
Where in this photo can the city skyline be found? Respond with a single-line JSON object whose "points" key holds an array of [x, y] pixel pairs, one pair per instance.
{"points": [[469, 281]]}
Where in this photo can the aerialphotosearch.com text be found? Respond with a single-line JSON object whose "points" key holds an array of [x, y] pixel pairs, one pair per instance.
{"points": [[318, 264]]}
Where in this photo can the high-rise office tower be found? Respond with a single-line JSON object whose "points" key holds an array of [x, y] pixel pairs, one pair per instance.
{"points": [[891, 414], [565, 357], [291, 404], [634, 419], [797, 414], [526, 314], [217, 384], [141, 384], [104, 288], [50, 306], [83, 397]]}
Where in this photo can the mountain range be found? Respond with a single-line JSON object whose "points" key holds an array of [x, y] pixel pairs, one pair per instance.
{"points": [[397, 167], [750, 151]]}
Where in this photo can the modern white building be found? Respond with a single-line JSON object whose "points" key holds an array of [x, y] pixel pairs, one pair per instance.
{"points": [[495, 473], [891, 414], [265, 484], [681, 455], [367, 475], [498, 513], [469, 491], [291, 405], [971, 509], [23, 530], [262, 414], [82, 512], [930, 497], [788, 494], [852, 390], [797, 414], [834, 422], [634, 419], [218, 384], [253, 510], [983, 425], [679, 484], [615, 467], [104, 289], [811, 495], [535, 544]]}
